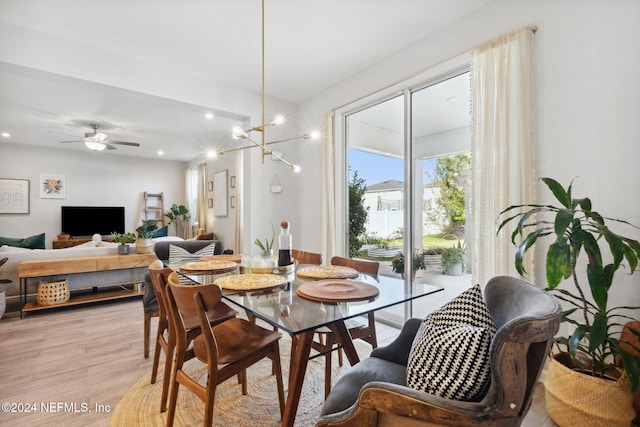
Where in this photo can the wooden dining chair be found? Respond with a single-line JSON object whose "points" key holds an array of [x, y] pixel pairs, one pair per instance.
{"points": [[326, 341], [227, 348], [166, 337], [303, 257]]}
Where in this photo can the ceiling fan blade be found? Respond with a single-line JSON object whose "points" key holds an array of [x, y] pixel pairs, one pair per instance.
{"points": [[64, 142], [60, 133], [130, 144], [109, 146]]}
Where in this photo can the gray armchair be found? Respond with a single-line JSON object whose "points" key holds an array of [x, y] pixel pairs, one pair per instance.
{"points": [[149, 300], [374, 392]]}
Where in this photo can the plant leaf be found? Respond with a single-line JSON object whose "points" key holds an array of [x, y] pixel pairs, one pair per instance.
{"points": [[564, 218], [598, 333], [597, 282], [558, 256], [574, 340], [560, 194]]}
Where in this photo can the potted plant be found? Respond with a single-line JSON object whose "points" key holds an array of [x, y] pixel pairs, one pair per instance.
{"points": [[144, 244], [123, 239], [177, 215], [267, 246], [417, 263], [453, 259], [433, 257], [580, 238], [3, 297]]}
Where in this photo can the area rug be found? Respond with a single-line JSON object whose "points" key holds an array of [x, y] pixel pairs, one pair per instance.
{"points": [[140, 406]]}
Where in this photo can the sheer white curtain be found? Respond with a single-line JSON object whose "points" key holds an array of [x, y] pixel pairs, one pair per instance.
{"points": [[330, 205], [200, 214], [502, 148]]}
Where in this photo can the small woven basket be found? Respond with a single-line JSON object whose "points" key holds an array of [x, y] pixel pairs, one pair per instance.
{"points": [[52, 293]]}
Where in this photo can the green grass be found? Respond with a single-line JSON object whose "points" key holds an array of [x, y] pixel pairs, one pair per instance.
{"points": [[428, 241]]}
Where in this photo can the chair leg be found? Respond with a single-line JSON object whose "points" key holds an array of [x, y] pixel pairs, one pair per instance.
{"points": [[278, 373], [373, 338], [327, 364], [173, 398], [166, 380], [147, 332]]}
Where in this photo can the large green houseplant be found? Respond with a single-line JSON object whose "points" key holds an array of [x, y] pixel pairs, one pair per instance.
{"points": [[580, 236]]}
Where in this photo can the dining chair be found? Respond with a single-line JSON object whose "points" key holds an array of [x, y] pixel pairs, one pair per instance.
{"points": [[303, 257], [166, 337], [326, 341], [227, 348]]}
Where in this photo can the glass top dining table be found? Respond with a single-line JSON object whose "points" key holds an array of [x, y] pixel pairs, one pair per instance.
{"points": [[285, 309]]}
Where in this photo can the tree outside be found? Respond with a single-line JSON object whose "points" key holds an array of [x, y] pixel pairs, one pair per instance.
{"points": [[452, 195], [358, 213]]}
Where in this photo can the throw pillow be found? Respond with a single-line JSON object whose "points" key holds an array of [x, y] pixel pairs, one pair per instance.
{"points": [[179, 256], [161, 232], [31, 242], [449, 356]]}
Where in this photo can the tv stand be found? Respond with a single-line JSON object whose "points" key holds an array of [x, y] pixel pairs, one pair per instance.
{"points": [[62, 244]]}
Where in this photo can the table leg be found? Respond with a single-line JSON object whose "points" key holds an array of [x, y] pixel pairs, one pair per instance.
{"points": [[297, 370], [344, 338]]}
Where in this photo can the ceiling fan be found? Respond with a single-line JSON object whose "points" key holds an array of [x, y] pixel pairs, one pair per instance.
{"points": [[98, 141]]}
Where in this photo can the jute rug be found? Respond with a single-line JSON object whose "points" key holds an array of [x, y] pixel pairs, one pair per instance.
{"points": [[140, 406]]}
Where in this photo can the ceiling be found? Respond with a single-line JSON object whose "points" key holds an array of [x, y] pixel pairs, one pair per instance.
{"points": [[309, 46]]}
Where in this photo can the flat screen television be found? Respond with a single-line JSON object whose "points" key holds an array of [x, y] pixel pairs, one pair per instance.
{"points": [[89, 220]]}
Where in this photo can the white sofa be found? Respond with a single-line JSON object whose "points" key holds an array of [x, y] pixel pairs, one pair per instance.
{"points": [[77, 281]]}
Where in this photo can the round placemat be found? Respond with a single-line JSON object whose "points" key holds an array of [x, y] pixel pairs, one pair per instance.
{"points": [[328, 272], [334, 290], [211, 267], [250, 282]]}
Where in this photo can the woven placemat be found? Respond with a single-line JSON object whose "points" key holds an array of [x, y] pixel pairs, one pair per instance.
{"points": [[209, 267], [328, 272], [250, 282], [336, 290]]}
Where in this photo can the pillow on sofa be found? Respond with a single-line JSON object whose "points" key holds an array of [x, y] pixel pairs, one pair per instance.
{"points": [[178, 256], [161, 232], [31, 242], [449, 356]]}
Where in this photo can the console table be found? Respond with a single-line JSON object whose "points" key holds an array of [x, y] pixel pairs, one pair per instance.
{"points": [[38, 269]]}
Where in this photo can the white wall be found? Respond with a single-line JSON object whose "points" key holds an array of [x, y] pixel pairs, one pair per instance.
{"points": [[93, 179], [587, 91]]}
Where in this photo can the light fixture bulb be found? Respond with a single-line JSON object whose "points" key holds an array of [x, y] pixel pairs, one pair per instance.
{"points": [[237, 132], [212, 154], [278, 120], [95, 145], [296, 168], [315, 134], [209, 116]]}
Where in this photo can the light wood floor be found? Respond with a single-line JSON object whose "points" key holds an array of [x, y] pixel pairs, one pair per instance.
{"points": [[88, 356]]}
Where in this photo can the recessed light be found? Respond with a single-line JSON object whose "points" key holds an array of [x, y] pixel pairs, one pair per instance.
{"points": [[209, 116], [6, 134], [212, 153], [160, 153]]}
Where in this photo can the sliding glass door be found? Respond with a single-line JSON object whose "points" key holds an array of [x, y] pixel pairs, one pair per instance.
{"points": [[407, 157]]}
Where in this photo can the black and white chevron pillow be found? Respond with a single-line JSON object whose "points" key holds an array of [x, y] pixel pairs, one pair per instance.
{"points": [[179, 256], [450, 353]]}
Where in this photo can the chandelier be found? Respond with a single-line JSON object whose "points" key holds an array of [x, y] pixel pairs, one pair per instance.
{"points": [[238, 133]]}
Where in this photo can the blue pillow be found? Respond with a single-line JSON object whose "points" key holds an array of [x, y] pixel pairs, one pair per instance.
{"points": [[31, 242], [161, 232]]}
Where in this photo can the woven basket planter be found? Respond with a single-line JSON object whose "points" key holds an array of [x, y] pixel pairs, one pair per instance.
{"points": [[578, 399], [52, 293]]}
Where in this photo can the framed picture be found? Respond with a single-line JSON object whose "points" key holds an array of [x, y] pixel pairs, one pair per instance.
{"points": [[210, 203], [14, 196], [210, 186], [232, 182], [52, 186], [232, 202], [220, 194]]}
